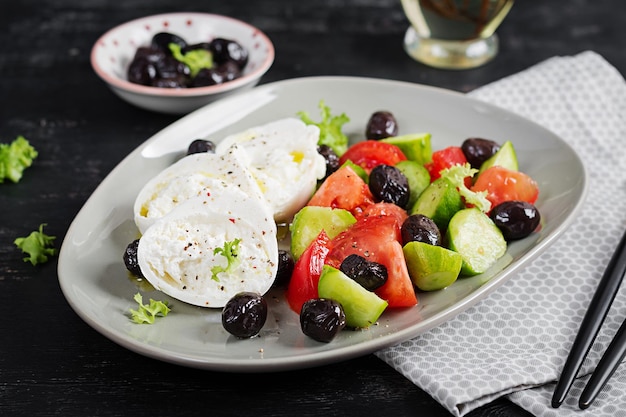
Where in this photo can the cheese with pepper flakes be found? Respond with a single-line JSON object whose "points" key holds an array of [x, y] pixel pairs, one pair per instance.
{"points": [[208, 249]]}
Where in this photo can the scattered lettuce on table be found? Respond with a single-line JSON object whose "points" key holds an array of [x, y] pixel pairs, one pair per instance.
{"points": [[330, 128], [15, 158], [38, 246], [147, 313]]}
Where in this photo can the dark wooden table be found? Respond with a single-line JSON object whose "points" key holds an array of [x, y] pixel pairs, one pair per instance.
{"points": [[51, 362]]}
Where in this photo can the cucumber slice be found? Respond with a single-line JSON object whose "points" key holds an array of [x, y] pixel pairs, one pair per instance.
{"points": [[477, 239], [431, 267], [362, 307], [439, 201], [309, 222], [418, 178], [505, 157], [415, 146]]}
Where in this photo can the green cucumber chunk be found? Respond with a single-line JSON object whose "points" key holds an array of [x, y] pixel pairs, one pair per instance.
{"points": [[309, 222], [439, 201], [362, 307], [477, 239], [418, 178], [505, 157], [431, 267], [415, 146]]}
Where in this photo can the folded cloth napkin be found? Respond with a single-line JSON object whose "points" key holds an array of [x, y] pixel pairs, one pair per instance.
{"points": [[515, 341]]}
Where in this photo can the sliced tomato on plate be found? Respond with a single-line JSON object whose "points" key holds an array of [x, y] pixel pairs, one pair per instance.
{"points": [[445, 158], [343, 189], [503, 184], [375, 239], [371, 153], [383, 209], [398, 290], [306, 272]]}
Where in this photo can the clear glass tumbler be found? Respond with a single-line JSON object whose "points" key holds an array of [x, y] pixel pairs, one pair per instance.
{"points": [[454, 34]]}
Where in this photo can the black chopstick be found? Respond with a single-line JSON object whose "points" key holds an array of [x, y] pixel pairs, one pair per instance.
{"points": [[594, 317], [606, 367]]}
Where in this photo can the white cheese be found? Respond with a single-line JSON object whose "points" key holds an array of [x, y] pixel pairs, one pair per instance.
{"points": [[194, 211], [193, 176], [284, 160], [182, 253]]}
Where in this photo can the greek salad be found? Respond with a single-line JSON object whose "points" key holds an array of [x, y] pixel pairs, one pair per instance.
{"points": [[369, 225]]}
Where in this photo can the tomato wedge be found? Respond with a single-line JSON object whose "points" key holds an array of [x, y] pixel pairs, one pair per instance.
{"points": [[371, 153], [382, 209], [445, 158], [375, 238], [343, 189], [306, 272], [503, 184], [398, 290]]}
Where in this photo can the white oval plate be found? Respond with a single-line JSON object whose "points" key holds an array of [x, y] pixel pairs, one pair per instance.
{"points": [[96, 284]]}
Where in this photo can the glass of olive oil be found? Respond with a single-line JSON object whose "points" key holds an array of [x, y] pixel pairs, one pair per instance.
{"points": [[454, 34]]}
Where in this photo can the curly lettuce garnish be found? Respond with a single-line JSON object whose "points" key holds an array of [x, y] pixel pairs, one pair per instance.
{"points": [[147, 313], [38, 246], [330, 128], [456, 175], [195, 59], [230, 251], [15, 158]]}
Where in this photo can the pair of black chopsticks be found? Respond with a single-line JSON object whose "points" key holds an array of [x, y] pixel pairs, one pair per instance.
{"points": [[594, 317]]}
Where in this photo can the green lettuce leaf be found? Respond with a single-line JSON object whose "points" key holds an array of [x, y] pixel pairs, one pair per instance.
{"points": [[37, 245], [456, 175], [330, 128], [15, 158], [230, 252], [147, 313], [196, 59]]}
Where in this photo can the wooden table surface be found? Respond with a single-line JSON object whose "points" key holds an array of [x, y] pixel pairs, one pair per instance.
{"points": [[51, 362]]}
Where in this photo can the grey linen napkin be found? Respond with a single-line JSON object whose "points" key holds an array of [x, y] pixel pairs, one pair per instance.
{"points": [[516, 341]]}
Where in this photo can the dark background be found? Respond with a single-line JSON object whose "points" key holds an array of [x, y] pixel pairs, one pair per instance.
{"points": [[51, 362]]}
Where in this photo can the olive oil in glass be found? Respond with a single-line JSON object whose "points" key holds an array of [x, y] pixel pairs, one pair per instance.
{"points": [[454, 34]]}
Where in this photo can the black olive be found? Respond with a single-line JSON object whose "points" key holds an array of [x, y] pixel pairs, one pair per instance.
{"points": [[224, 50], [216, 75], [141, 71], [177, 81], [516, 219], [206, 77], [156, 66], [420, 228], [331, 158], [381, 125], [371, 275], [285, 268], [244, 314], [228, 71], [322, 319], [143, 68], [162, 41], [387, 183], [170, 67], [478, 150], [201, 146], [149, 53], [202, 45], [130, 259]]}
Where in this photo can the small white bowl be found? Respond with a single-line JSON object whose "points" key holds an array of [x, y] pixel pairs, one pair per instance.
{"points": [[113, 52]]}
